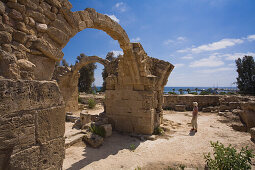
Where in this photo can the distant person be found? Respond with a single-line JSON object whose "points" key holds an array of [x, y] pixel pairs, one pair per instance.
{"points": [[194, 116]]}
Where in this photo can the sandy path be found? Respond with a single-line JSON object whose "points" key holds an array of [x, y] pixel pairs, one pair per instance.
{"points": [[181, 148]]}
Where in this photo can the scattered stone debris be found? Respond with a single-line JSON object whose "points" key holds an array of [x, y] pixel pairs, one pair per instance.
{"points": [[93, 140]]}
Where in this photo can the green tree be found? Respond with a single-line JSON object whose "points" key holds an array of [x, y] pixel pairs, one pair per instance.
{"points": [[110, 57], [188, 90], [181, 91], [86, 76], [64, 63], [246, 75], [196, 89], [173, 90]]}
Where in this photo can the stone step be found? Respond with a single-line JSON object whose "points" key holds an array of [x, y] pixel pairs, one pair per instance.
{"points": [[73, 139]]}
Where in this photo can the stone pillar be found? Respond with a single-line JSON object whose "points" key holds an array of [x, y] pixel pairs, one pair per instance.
{"points": [[32, 125]]}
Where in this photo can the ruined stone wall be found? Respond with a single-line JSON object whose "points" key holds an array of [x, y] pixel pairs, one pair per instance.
{"points": [[31, 125], [170, 101], [32, 36]]}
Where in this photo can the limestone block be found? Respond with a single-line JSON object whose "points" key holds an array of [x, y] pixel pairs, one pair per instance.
{"points": [[50, 124], [52, 154], [85, 118], [16, 15], [17, 130], [7, 47], [50, 15], [31, 21], [28, 95], [49, 50], [26, 159], [54, 3], [41, 27], [58, 35], [248, 114], [20, 37], [22, 27], [5, 37], [37, 16], [25, 65], [2, 8], [108, 129], [42, 71], [29, 4], [93, 140], [16, 6], [69, 16]]}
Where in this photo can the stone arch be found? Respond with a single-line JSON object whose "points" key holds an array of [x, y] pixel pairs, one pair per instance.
{"points": [[87, 60], [67, 79]]}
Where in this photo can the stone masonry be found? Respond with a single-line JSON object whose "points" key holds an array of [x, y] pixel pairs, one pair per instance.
{"points": [[32, 36]]}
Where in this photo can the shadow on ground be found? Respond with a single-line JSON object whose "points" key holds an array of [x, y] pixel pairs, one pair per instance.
{"points": [[111, 146]]}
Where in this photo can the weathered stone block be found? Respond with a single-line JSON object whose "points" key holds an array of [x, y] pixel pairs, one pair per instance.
{"points": [[26, 159], [108, 129], [5, 37], [28, 95], [16, 15], [37, 16], [50, 124], [49, 50], [52, 154], [20, 36], [58, 35], [2, 8]]}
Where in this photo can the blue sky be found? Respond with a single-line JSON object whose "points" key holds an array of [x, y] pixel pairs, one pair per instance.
{"points": [[202, 38]]}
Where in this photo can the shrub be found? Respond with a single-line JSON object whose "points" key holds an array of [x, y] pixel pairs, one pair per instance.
{"points": [[204, 93], [226, 158], [91, 103], [158, 131], [194, 93], [132, 147], [222, 93], [99, 130], [171, 93]]}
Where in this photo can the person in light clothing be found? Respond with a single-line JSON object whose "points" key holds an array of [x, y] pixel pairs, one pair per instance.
{"points": [[194, 116]]}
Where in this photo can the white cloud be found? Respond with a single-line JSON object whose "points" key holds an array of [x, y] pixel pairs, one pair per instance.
{"points": [[114, 18], [212, 61], [221, 69], [117, 53], [224, 43], [120, 6], [178, 65], [177, 40], [251, 37], [187, 57], [137, 39], [181, 38], [237, 55]]}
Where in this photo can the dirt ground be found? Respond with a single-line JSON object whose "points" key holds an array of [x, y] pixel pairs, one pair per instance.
{"points": [[177, 147]]}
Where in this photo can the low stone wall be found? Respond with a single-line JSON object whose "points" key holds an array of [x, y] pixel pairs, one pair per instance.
{"points": [[32, 125], [171, 101], [98, 98]]}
